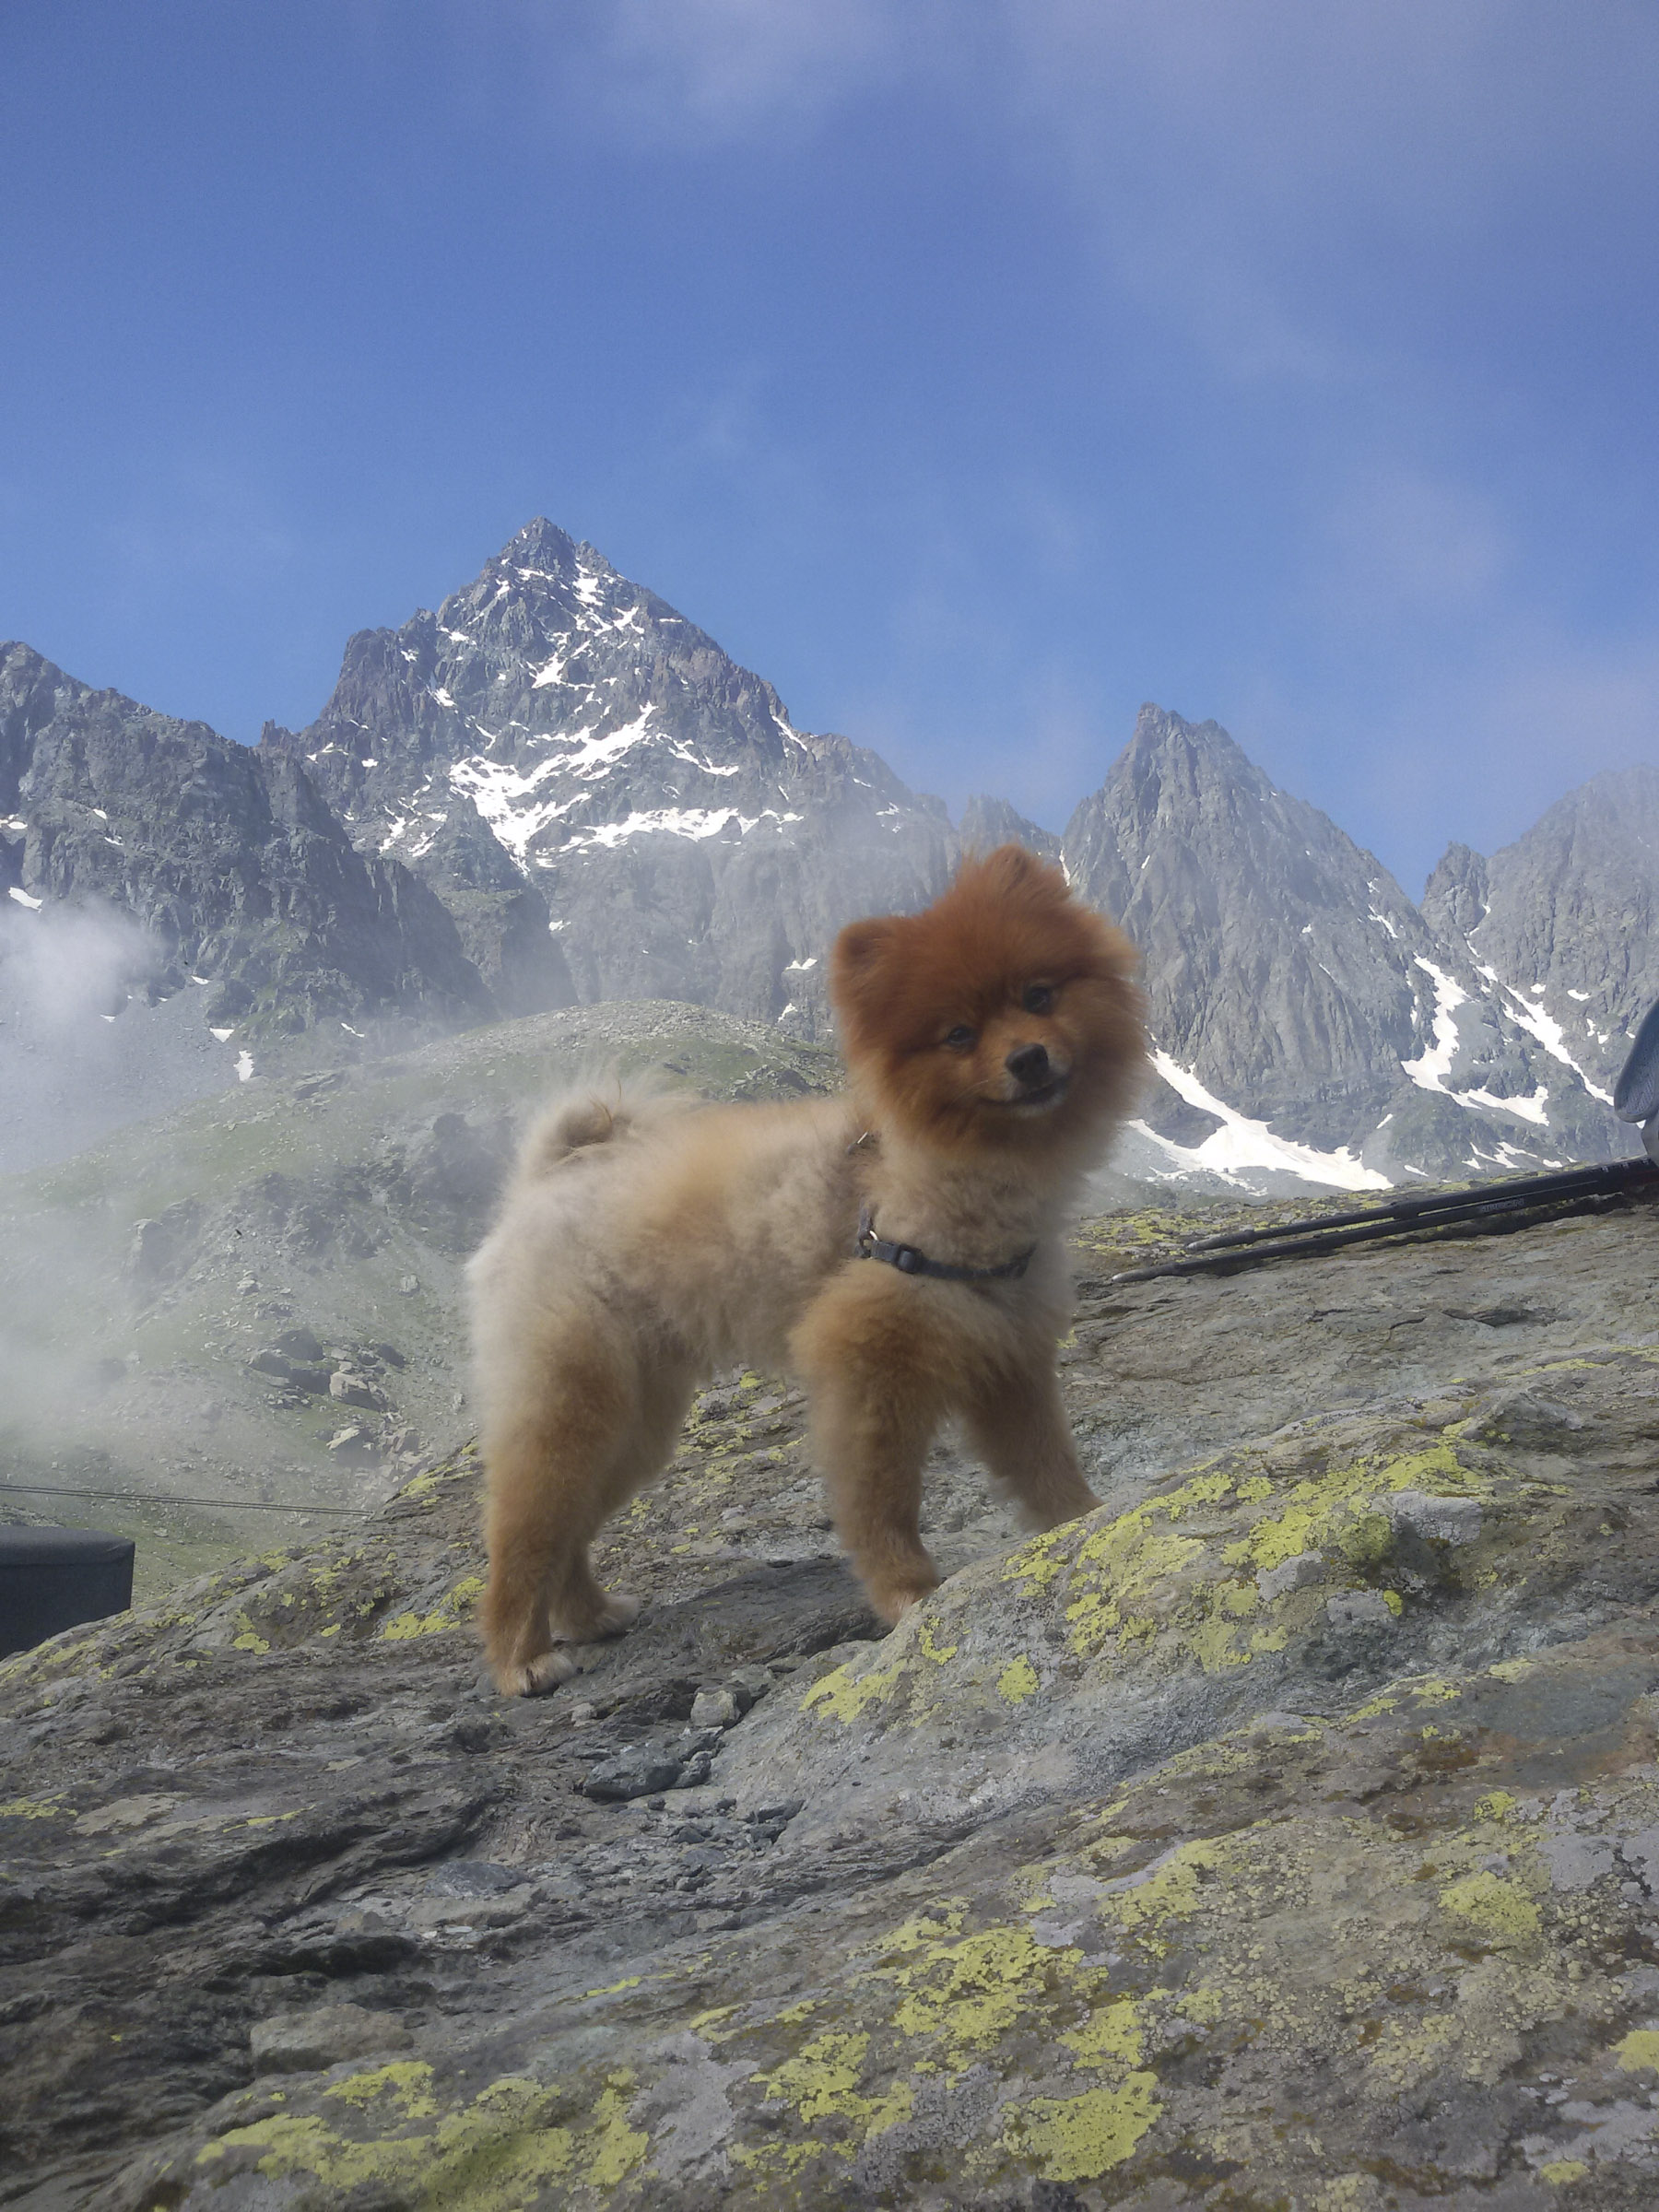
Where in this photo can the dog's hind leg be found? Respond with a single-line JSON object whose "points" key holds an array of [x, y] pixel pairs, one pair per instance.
{"points": [[1016, 1423], [574, 1447]]}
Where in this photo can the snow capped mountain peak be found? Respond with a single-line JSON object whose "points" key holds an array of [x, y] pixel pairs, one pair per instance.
{"points": [[581, 726], [555, 787]]}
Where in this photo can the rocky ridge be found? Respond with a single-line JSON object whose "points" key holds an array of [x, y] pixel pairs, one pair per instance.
{"points": [[1285, 1832], [1294, 986], [556, 788], [228, 860]]}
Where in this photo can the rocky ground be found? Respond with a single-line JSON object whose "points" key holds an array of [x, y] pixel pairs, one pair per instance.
{"points": [[1285, 1834]]}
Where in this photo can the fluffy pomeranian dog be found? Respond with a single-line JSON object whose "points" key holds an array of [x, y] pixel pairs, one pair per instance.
{"points": [[898, 1248]]}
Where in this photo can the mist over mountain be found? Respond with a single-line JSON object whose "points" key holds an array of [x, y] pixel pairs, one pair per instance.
{"points": [[556, 791]]}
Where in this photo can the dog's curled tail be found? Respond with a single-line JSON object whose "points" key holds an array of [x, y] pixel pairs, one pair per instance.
{"points": [[584, 1118]]}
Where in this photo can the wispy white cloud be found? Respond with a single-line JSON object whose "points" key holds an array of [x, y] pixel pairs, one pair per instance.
{"points": [[701, 74]]}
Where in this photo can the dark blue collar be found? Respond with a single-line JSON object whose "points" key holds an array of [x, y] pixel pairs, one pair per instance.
{"points": [[909, 1261]]}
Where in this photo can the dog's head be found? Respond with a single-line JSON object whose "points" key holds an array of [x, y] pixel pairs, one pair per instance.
{"points": [[1005, 1016]]}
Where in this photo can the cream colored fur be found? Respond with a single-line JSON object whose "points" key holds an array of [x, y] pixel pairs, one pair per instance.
{"points": [[644, 1244]]}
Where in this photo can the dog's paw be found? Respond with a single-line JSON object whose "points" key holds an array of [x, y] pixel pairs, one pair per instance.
{"points": [[538, 1675], [621, 1612], [893, 1605]]}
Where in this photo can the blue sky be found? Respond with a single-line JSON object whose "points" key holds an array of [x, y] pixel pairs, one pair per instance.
{"points": [[973, 371]]}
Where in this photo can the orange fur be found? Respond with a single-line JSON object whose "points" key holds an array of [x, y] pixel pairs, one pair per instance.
{"points": [[993, 1043]]}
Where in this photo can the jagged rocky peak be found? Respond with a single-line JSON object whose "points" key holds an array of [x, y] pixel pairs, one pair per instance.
{"points": [[1278, 955], [1310, 1020], [655, 811], [231, 865], [524, 692], [988, 823], [1569, 926], [1455, 901]]}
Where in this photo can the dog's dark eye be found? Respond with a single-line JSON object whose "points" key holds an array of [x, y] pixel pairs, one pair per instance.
{"points": [[1039, 999], [962, 1038]]}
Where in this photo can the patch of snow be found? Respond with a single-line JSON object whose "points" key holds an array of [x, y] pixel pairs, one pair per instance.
{"points": [[1382, 921], [684, 752], [440, 694], [596, 753], [787, 1011], [1533, 1108], [1578, 994], [371, 764], [244, 1067], [1241, 1144], [224, 1036], [500, 793], [1551, 1036], [677, 821], [800, 967], [551, 672], [23, 899], [407, 654], [1429, 1071], [349, 1030]]}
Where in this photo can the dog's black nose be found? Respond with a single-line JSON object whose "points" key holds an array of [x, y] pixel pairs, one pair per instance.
{"points": [[1028, 1064]]}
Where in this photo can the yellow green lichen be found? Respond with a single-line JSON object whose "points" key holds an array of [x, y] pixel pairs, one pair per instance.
{"points": [[497, 2154], [1078, 2138], [940, 1655], [407, 2080], [845, 1694], [1497, 1910], [821, 2083], [1018, 1682], [1169, 1889], [406, 1625], [1497, 1804], [1037, 1561], [1639, 2051], [1113, 2033]]}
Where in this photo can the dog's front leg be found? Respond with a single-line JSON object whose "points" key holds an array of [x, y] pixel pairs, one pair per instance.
{"points": [[876, 1401], [1016, 1423]]}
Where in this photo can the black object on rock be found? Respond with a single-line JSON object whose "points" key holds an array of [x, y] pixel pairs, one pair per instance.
{"points": [[1491, 1209], [56, 1578]]}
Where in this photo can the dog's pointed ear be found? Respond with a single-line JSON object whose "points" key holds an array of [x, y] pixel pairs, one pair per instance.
{"points": [[862, 947], [862, 952]]}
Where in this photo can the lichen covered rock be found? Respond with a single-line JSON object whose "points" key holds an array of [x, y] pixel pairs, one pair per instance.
{"points": [[1284, 1834]]}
